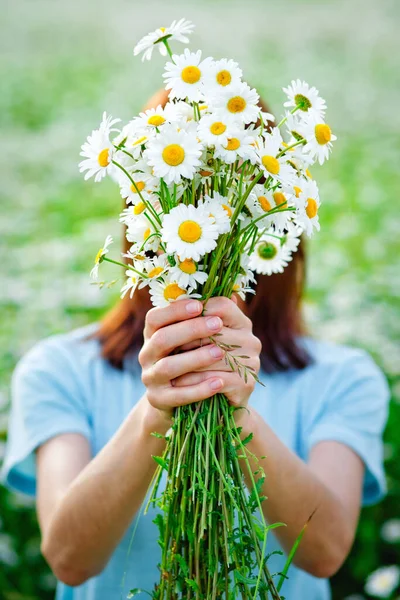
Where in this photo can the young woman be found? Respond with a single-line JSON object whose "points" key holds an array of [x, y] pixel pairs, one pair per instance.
{"points": [[85, 403]]}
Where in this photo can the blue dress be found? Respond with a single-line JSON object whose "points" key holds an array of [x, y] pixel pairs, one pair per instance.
{"points": [[63, 385]]}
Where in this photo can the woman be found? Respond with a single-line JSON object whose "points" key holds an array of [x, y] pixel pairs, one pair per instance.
{"points": [[85, 404]]}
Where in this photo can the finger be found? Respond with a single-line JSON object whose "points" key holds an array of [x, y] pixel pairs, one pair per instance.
{"points": [[226, 335], [180, 310], [168, 338], [234, 387], [192, 393], [174, 366], [229, 312]]}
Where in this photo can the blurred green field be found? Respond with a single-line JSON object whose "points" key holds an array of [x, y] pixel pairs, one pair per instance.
{"points": [[62, 64]]}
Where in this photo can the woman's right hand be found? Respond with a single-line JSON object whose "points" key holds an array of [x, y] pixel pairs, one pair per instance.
{"points": [[169, 328]]}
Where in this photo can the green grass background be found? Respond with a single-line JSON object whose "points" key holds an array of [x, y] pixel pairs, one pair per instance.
{"points": [[63, 63]]}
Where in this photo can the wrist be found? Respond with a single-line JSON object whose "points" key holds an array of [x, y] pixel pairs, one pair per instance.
{"points": [[246, 420], [154, 420]]}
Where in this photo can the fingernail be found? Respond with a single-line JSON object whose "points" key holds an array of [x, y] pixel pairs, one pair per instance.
{"points": [[216, 352], [193, 307], [213, 323], [216, 384]]}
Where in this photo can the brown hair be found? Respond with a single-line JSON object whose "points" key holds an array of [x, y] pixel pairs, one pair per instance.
{"points": [[275, 310]]}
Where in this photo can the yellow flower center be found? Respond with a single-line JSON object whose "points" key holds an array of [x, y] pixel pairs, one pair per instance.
{"points": [[297, 190], [189, 231], [134, 280], [137, 187], [236, 287], [237, 104], [312, 208], [280, 199], [191, 74], [173, 155], [227, 209], [323, 133], [172, 291], [271, 164], [156, 120], [139, 208], [103, 158], [98, 256], [146, 233], [188, 266], [162, 29], [139, 257], [154, 272], [233, 144], [217, 128], [264, 203], [223, 77], [308, 173]]}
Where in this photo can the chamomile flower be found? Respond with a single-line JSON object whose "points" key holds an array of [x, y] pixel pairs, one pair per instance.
{"points": [[319, 139], [245, 280], [189, 231], [185, 76], [136, 188], [239, 101], [269, 255], [262, 201], [219, 210], [163, 292], [222, 74], [153, 268], [383, 582], [154, 118], [94, 273], [175, 31], [239, 145], [307, 205], [273, 165], [188, 273], [215, 128], [131, 283], [173, 154], [142, 234], [306, 98], [98, 151]]}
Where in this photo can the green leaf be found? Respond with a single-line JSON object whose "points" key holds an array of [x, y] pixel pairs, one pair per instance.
{"points": [[247, 439], [157, 435], [137, 591], [161, 461], [242, 579], [183, 564], [159, 521]]}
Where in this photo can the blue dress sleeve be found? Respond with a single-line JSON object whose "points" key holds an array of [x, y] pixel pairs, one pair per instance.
{"points": [[46, 401], [354, 412]]}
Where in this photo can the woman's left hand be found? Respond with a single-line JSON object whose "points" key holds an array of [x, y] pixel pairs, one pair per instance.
{"points": [[236, 331]]}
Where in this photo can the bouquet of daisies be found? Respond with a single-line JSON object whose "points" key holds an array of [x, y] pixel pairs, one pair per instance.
{"points": [[214, 195]]}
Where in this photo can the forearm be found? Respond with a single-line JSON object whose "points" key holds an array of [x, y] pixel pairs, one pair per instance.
{"points": [[99, 505], [294, 493]]}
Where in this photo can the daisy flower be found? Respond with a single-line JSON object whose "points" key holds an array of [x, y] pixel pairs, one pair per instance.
{"points": [[319, 139], [188, 273], [189, 231], [239, 101], [176, 31], [222, 74], [153, 268], [130, 284], [272, 164], [306, 98], [173, 154], [219, 210], [245, 278], [98, 150], [383, 582], [94, 273], [141, 233], [239, 145], [215, 128], [185, 76], [269, 255], [163, 292], [261, 201], [307, 205], [154, 118], [137, 190]]}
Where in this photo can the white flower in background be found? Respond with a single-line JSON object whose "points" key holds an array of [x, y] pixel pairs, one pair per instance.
{"points": [[239, 101], [176, 31], [269, 255], [131, 283], [219, 210], [307, 205], [291, 238], [294, 124], [184, 77], [390, 531], [307, 98], [136, 188], [265, 117], [163, 292], [98, 150], [272, 164], [215, 128], [154, 118], [185, 113], [383, 582], [245, 278], [188, 273], [173, 154], [239, 145], [94, 273], [222, 74], [141, 233], [319, 139], [152, 267], [189, 231], [262, 201]]}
